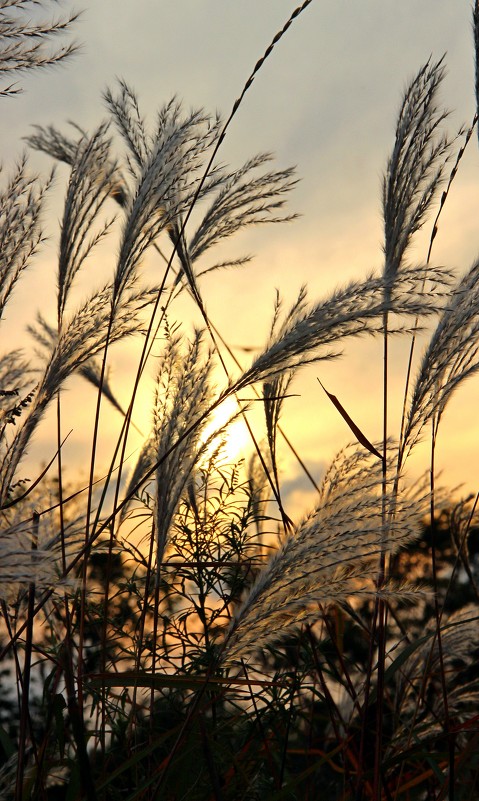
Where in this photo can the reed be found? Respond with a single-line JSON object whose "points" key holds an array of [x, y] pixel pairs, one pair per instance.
{"points": [[167, 630]]}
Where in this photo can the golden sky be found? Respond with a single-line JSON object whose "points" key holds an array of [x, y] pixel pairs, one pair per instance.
{"points": [[325, 101]]}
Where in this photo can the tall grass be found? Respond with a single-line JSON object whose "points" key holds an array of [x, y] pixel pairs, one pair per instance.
{"points": [[168, 630]]}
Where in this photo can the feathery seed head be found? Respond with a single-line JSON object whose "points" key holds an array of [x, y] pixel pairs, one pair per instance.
{"points": [[328, 557], [416, 166]]}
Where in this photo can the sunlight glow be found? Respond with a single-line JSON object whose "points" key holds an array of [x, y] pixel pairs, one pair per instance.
{"points": [[235, 437]]}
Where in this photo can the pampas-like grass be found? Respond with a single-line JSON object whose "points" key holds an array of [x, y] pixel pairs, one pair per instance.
{"points": [[245, 197], [93, 178], [418, 692], [165, 173], [450, 357], [275, 390], [164, 169], [82, 337], [416, 167], [183, 394], [317, 333], [45, 335], [183, 398], [206, 529], [31, 549], [21, 205], [24, 44], [328, 557], [21, 565]]}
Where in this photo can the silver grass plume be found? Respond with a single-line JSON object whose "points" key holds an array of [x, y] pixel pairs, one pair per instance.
{"points": [[31, 552], [244, 198], [451, 356], [82, 337], [314, 334], [239, 198], [329, 556], [54, 143], [460, 650], [46, 336], [183, 397], [23, 43], [258, 490], [275, 390], [16, 374], [93, 177], [165, 169], [32, 547], [415, 169], [21, 205]]}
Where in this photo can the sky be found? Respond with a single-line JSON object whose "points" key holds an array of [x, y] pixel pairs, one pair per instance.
{"points": [[326, 101]]}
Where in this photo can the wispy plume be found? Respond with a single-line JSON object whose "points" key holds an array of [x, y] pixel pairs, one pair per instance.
{"points": [[21, 205], [24, 44], [419, 679], [82, 337], [244, 198], [93, 177], [416, 167], [183, 397], [317, 332], [275, 390], [328, 558], [450, 358], [31, 552], [46, 336], [164, 169]]}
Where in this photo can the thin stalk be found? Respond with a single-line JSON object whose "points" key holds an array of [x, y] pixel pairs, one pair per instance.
{"points": [[141, 631], [91, 481], [288, 728], [60, 483], [381, 609], [379, 621], [447, 722], [24, 713], [335, 714], [104, 640]]}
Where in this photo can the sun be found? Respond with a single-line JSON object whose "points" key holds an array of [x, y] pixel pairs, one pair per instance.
{"points": [[236, 438]]}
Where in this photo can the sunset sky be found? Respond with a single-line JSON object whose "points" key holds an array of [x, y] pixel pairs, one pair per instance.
{"points": [[325, 101]]}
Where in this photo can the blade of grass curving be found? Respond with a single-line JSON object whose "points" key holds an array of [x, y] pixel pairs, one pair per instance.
{"points": [[352, 425]]}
